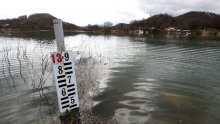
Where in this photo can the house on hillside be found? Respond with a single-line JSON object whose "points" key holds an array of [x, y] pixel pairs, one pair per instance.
{"points": [[6, 25], [187, 32], [178, 31], [152, 28], [171, 29], [139, 32]]}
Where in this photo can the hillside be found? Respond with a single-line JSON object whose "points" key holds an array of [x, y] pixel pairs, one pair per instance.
{"points": [[198, 20], [191, 20], [157, 21], [39, 21]]}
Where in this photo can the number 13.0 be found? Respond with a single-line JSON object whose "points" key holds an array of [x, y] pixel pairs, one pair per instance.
{"points": [[56, 57]]}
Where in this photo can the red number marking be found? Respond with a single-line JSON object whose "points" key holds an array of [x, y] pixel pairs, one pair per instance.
{"points": [[59, 57], [53, 58]]}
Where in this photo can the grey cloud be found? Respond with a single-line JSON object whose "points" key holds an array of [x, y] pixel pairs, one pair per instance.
{"points": [[177, 7]]}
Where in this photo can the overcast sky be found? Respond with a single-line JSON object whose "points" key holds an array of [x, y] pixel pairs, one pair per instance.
{"points": [[83, 12]]}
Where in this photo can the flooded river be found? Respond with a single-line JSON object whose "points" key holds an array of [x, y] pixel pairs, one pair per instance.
{"points": [[130, 80]]}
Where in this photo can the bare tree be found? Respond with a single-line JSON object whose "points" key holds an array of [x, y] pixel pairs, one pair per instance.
{"points": [[107, 26]]}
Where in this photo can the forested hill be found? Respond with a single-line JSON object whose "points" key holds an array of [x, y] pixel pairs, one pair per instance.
{"points": [[191, 20], [198, 20], [39, 21]]}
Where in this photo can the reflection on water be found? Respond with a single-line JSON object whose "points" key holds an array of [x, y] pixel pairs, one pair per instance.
{"points": [[153, 80], [163, 82], [24, 83]]}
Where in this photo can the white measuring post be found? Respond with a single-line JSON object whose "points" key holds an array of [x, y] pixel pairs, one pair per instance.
{"points": [[58, 30], [64, 72]]}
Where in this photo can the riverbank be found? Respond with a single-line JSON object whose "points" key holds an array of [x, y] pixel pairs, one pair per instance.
{"points": [[49, 34]]}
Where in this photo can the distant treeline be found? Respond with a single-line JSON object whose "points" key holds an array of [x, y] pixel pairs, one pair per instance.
{"points": [[189, 21]]}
